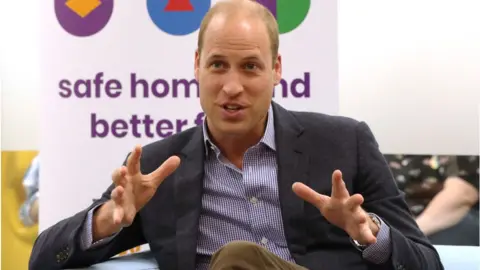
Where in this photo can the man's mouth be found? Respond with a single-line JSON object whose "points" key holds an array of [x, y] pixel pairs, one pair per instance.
{"points": [[232, 108]]}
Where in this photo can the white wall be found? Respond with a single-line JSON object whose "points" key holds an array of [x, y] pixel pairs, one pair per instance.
{"points": [[412, 66], [19, 74], [405, 66]]}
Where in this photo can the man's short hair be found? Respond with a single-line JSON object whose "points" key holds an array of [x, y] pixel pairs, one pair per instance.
{"points": [[238, 6]]}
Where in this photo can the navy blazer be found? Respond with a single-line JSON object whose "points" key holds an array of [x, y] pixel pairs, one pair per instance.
{"points": [[310, 147]]}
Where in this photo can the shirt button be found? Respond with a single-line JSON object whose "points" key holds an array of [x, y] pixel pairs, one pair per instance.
{"points": [[264, 241], [253, 200]]}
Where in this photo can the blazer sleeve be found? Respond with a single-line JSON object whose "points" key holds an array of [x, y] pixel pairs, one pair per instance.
{"points": [[410, 247], [59, 247]]}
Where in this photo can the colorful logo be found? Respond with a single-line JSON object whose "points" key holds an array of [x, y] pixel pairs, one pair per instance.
{"points": [[83, 17], [289, 13], [175, 17], [183, 17], [178, 17]]}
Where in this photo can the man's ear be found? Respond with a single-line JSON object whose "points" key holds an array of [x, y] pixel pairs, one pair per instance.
{"points": [[277, 70], [197, 64]]}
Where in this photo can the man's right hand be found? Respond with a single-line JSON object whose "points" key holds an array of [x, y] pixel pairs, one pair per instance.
{"points": [[132, 191]]}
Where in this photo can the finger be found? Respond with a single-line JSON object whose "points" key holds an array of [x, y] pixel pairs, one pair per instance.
{"points": [[118, 214], [164, 170], [133, 160], [310, 195], [359, 218], [366, 235], [354, 202], [117, 195], [339, 190], [118, 176], [362, 231]]}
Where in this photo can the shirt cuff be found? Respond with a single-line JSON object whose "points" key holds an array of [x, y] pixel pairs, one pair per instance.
{"points": [[380, 251], [86, 237]]}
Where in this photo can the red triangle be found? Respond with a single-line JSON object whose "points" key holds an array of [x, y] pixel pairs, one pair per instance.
{"points": [[179, 5]]}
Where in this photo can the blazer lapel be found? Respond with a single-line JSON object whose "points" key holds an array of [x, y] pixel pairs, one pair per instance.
{"points": [[188, 189], [293, 164]]}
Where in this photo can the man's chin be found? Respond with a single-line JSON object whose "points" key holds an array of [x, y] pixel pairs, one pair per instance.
{"points": [[237, 129]]}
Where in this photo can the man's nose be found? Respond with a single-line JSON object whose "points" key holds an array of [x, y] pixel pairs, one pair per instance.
{"points": [[232, 85]]}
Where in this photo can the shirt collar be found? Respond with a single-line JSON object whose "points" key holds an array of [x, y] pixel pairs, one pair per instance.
{"points": [[268, 137]]}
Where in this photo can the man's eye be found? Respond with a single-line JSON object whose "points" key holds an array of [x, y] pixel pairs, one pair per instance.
{"points": [[217, 65], [250, 66]]}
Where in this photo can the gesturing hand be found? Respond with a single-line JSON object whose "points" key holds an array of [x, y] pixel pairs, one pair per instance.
{"points": [[133, 189], [341, 209]]}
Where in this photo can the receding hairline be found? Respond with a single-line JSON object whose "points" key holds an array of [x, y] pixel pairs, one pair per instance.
{"points": [[242, 8]]}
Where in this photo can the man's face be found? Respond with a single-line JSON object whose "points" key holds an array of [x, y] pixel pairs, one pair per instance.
{"points": [[236, 75]]}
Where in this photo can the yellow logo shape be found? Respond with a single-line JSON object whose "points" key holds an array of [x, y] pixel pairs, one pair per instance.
{"points": [[83, 7]]}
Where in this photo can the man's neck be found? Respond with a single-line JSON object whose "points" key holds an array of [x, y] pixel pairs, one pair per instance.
{"points": [[233, 147]]}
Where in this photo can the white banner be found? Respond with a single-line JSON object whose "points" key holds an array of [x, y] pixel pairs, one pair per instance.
{"points": [[120, 73]]}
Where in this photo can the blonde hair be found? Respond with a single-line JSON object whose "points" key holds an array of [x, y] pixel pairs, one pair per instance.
{"points": [[238, 6]]}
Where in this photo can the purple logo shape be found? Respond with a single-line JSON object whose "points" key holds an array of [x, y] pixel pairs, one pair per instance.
{"points": [[83, 18]]}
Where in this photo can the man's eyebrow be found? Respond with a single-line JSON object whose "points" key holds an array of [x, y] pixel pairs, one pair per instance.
{"points": [[252, 57], [216, 56]]}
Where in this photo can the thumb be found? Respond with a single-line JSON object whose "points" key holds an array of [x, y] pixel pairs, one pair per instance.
{"points": [[164, 170], [310, 195]]}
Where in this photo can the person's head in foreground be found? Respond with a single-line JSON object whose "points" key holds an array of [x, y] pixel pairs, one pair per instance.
{"points": [[237, 66]]}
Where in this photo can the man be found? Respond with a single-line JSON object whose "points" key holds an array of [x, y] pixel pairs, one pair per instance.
{"points": [[249, 189]]}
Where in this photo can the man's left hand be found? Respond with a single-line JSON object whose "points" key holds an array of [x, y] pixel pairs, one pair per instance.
{"points": [[341, 209]]}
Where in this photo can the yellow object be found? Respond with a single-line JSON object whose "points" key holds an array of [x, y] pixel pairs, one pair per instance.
{"points": [[17, 240], [83, 7], [130, 251]]}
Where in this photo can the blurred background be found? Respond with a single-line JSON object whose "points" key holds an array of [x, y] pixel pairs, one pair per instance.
{"points": [[408, 68], [442, 193]]}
